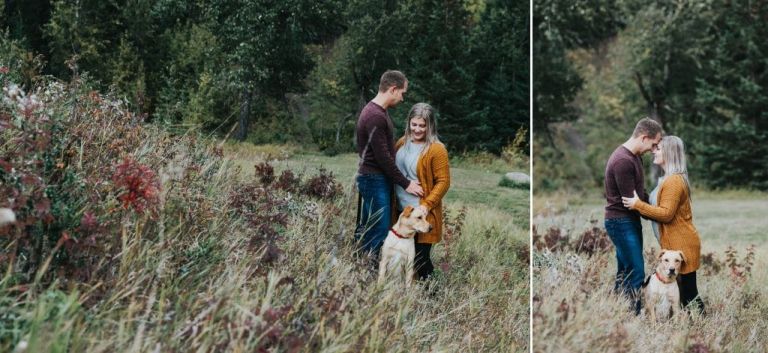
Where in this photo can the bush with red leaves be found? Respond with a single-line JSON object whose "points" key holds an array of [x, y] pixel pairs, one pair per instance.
{"points": [[138, 184], [288, 181], [59, 140], [323, 185], [266, 217], [265, 172], [592, 241]]}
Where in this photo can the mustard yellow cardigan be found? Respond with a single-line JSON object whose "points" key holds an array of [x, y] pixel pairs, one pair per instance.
{"points": [[675, 218], [435, 178]]}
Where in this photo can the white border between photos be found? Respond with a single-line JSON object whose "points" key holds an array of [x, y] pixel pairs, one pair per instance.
{"points": [[530, 173]]}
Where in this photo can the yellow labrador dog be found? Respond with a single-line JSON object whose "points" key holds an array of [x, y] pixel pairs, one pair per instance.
{"points": [[662, 296], [399, 249]]}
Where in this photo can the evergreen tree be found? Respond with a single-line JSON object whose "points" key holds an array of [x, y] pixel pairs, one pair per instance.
{"points": [[500, 48]]}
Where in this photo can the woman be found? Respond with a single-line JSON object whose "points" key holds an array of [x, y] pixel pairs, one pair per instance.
{"points": [[421, 156], [670, 212]]}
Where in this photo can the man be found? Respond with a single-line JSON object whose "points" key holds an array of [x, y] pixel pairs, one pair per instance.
{"points": [[624, 175], [377, 171]]}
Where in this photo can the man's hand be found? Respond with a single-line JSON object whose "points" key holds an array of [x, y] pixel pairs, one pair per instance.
{"points": [[414, 188]]}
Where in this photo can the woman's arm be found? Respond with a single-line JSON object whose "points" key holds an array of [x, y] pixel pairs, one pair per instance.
{"points": [[442, 177], [669, 201]]}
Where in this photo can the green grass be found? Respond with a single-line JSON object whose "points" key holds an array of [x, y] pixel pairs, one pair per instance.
{"points": [[473, 185], [722, 219]]}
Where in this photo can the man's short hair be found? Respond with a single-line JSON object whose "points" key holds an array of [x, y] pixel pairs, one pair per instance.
{"points": [[392, 78], [648, 127]]}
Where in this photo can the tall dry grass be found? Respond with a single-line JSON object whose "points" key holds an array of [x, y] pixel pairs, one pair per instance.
{"points": [[575, 309], [218, 260]]}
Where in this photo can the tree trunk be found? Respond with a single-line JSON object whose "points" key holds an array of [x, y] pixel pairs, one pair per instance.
{"points": [[299, 111], [654, 106], [245, 114], [339, 126], [361, 101]]}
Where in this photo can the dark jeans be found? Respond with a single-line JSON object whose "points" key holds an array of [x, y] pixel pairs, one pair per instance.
{"points": [[375, 212], [627, 236], [689, 294], [423, 263]]}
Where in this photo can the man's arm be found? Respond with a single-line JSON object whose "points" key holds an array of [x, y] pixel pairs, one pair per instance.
{"points": [[624, 176], [386, 161]]}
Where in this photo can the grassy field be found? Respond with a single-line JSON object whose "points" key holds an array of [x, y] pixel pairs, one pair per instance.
{"points": [[491, 315], [474, 183], [575, 310], [230, 265]]}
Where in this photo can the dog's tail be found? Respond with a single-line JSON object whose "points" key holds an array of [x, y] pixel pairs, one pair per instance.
{"points": [[647, 279]]}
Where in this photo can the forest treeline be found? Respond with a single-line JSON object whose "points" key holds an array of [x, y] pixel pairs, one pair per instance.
{"points": [[285, 71], [698, 67]]}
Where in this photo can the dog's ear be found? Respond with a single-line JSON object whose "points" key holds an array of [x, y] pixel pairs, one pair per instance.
{"points": [[407, 211], [682, 256], [662, 253]]}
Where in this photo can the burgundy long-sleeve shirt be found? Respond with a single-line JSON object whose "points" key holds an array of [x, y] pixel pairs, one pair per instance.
{"points": [[376, 144], [623, 175]]}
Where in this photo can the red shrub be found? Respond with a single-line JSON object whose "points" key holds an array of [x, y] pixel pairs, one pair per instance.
{"points": [[138, 184], [323, 185], [288, 181], [265, 172]]}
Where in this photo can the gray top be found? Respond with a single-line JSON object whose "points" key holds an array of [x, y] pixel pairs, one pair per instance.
{"points": [[406, 159], [653, 199]]}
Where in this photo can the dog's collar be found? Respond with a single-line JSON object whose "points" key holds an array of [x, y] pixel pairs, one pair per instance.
{"points": [[661, 278], [397, 234]]}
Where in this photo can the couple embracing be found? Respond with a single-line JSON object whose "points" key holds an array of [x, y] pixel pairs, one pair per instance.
{"points": [[668, 207], [416, 165]]}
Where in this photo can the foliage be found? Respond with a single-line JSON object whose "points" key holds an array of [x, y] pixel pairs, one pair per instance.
{"points": [[453, 226], [139, 185], [322, 186], [592, 241], [194, 89], [16, 63], [48, 186], [517, 149], [297, 70], [694, 66], [560, 26], [469, 62], [262, 210], [264, 45], [500, 50], [196, 63], [736, 158], [333, 99]]}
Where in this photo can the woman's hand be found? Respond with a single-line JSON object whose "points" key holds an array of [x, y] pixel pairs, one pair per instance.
{"points": [[629, 202], [414, 188]]}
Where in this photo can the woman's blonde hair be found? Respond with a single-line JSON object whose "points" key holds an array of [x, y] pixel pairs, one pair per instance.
{"points": [[673, 153], [426, 112]]}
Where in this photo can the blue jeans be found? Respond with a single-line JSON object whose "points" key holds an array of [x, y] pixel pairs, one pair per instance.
{"points": [[627, 236], [375, 212]]}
